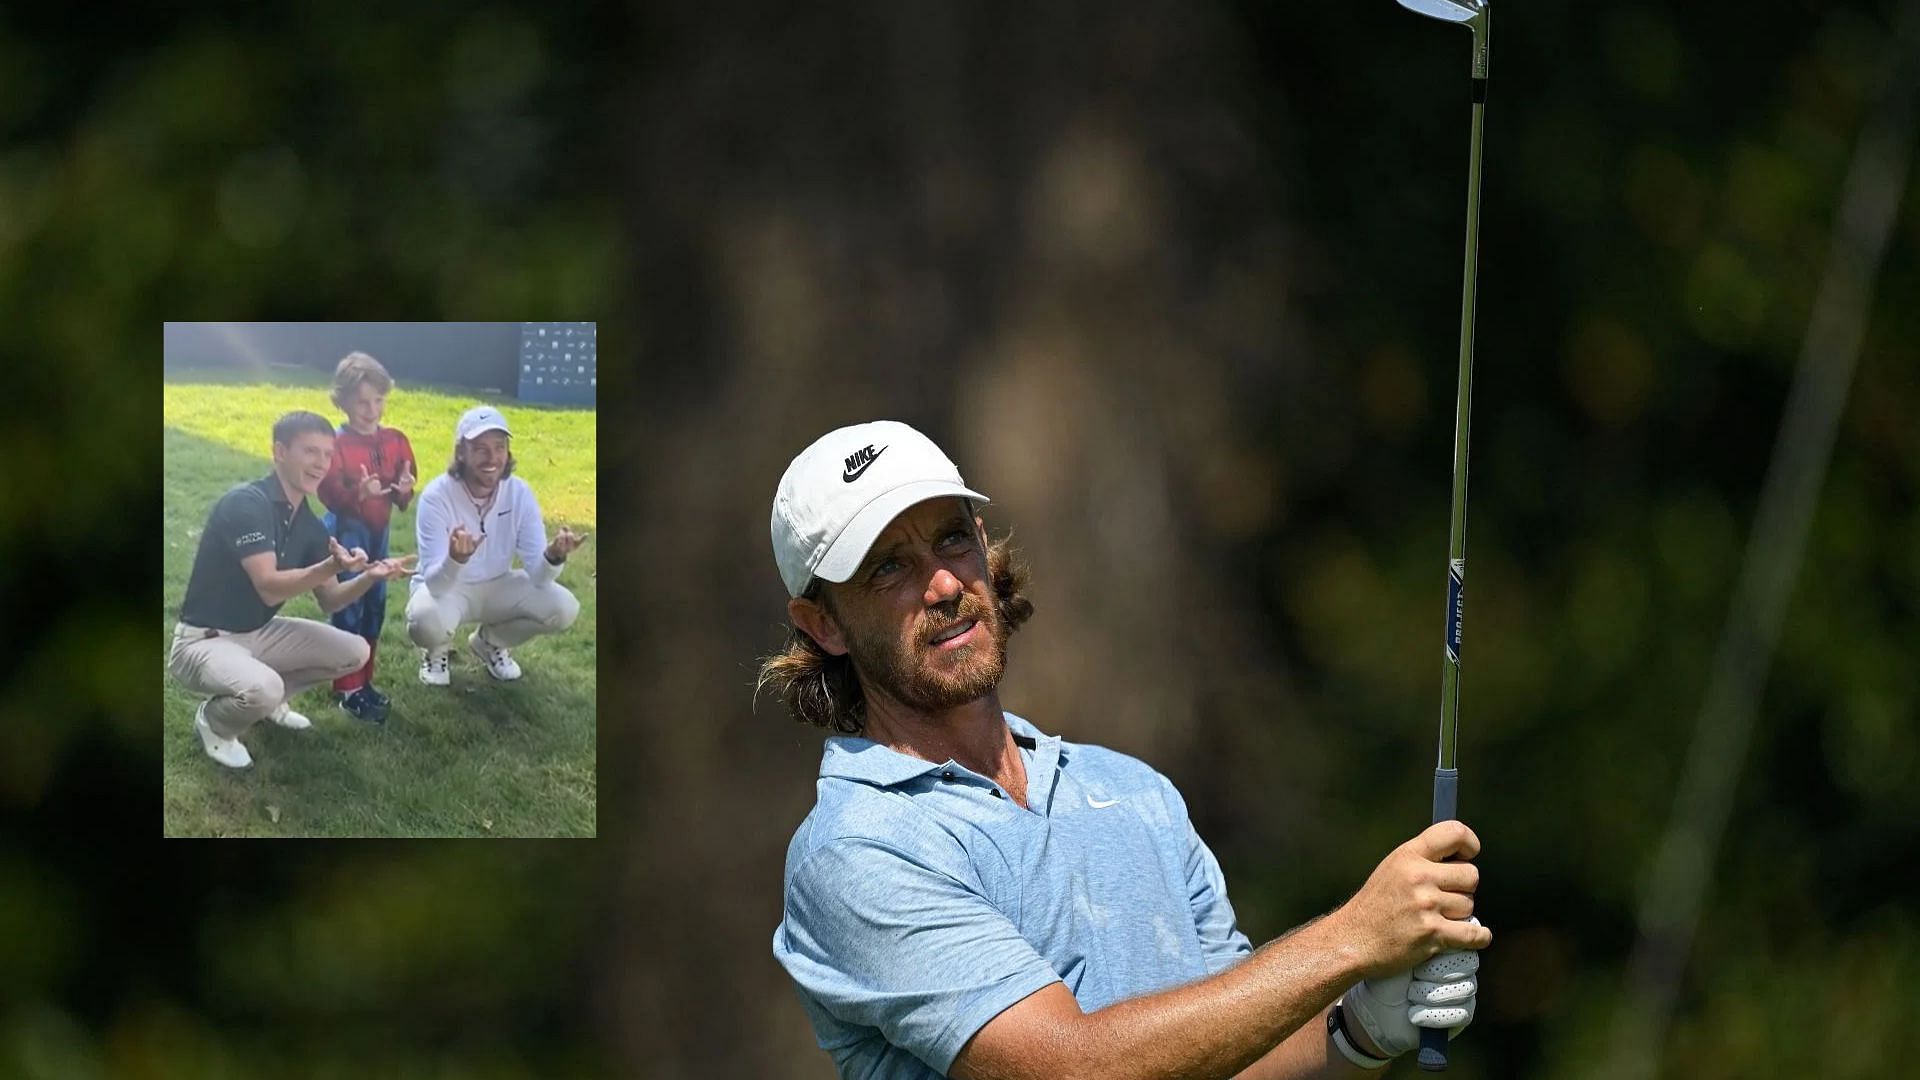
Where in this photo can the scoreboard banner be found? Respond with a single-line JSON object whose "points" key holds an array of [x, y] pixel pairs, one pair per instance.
{"points": [[557, 363]]}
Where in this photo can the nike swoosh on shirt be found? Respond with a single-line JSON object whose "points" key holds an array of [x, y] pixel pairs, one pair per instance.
{"points": [[1100, 805]]}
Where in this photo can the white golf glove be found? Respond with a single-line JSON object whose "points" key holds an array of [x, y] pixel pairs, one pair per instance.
{"points": [[1437, 994]]}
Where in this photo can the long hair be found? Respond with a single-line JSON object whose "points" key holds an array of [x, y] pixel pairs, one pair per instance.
{"points": [[821, 689]]}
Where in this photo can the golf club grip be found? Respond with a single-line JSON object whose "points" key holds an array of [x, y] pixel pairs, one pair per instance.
{"points": [[1433, 1050], [1446, 807], [1446, 795]]}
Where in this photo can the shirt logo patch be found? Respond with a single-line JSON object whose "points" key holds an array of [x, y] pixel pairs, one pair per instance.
{"points": [[251, 538], [1100, 805]]}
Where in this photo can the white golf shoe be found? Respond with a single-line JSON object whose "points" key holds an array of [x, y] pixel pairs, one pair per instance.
{"points": [[289, 719], [229, 752], [499, 664], [433, 666]]}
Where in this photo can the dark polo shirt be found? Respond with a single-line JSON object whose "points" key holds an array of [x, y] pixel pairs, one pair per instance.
{"points": [[248, 519]]}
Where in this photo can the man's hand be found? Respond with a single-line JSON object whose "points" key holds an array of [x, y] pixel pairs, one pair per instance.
{"points": [[386, 569], [403, 484], [369, 486], [1438, 994], [564, 543], [1415, 904], [346, 560], [461, 545]]}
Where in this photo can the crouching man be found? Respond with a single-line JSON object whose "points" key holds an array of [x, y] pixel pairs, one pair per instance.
{"points": [[472, 521], [263, 546]]}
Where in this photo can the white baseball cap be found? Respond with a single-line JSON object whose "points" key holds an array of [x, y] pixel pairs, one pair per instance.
{"points": [[842, 492], [478, 421]]}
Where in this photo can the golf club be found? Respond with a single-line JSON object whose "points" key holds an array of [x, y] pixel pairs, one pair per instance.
{"points": [[1446, 777]]}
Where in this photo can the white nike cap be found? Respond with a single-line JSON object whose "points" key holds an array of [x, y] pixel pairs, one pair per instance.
{"points": [[842, 492], [478, 421]]}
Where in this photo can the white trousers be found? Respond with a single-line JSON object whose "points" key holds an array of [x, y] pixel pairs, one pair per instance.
{"points": [[248, 675], [510, 608]]}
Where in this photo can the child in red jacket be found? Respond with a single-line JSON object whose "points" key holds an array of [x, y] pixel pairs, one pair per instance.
{"points": [[371, 476]]}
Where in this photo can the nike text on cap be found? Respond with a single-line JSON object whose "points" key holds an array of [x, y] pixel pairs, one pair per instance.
{"points": [[842, 492], [478, 421]]}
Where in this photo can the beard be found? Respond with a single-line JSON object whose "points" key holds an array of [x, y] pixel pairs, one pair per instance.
{"points": [[931, 680]]}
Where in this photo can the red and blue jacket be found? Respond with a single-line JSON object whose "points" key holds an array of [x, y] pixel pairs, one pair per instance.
{"points": [[382, 454]]}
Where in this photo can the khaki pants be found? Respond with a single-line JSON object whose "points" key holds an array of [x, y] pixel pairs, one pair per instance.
{"points": [[248, 675], [510, 608]]}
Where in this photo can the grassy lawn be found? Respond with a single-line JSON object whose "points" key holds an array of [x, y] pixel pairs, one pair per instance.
{"points": [[478, 758]]}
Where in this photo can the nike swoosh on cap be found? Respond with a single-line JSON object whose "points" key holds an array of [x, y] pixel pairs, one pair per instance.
{"points": [[854, 474]]}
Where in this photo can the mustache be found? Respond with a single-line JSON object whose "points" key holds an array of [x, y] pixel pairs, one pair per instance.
{"points": [[967, 608]]}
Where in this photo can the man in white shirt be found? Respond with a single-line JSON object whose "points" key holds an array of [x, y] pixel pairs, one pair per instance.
{"points": [[470, 524]]}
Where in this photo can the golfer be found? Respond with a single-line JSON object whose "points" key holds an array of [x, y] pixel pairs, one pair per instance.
{"points": [[471, 523], [973, 897], [261, 547]]}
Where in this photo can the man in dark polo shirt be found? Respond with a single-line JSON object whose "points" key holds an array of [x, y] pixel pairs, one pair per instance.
{"points": [[262, 547]]}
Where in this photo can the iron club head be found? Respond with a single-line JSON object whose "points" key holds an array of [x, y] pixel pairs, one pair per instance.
{"points": [[1471, 12], [1450, 10]]}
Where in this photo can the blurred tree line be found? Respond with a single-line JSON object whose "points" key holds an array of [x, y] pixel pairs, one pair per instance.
{"points": [[1178, 286]]}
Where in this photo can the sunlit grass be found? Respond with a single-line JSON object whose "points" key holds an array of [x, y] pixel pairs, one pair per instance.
{"points": [[555, 448]]}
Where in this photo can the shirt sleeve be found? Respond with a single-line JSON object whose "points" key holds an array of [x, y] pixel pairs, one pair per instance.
{"points": [[244, 520], [880, 938], [531, 540], [1220, 938], [431, 527]]}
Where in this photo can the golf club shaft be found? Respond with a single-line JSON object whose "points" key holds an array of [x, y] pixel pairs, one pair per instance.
{"points": [[1446, 776]]}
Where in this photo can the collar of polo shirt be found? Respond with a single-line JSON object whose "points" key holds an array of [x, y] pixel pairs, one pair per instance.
{"points": [[853, 757]]}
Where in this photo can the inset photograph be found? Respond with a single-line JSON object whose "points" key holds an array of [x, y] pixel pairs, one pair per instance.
{"points": [[379, 579]]}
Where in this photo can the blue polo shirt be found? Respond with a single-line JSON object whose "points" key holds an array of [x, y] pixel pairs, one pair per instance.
{"points": [[921, 901]]}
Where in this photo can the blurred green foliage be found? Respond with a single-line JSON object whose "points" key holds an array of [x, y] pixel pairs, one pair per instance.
{"points": [[294, 162]]}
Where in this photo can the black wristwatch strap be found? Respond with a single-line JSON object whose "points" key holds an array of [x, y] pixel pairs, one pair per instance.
{"points": [[1343, 1042]]}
